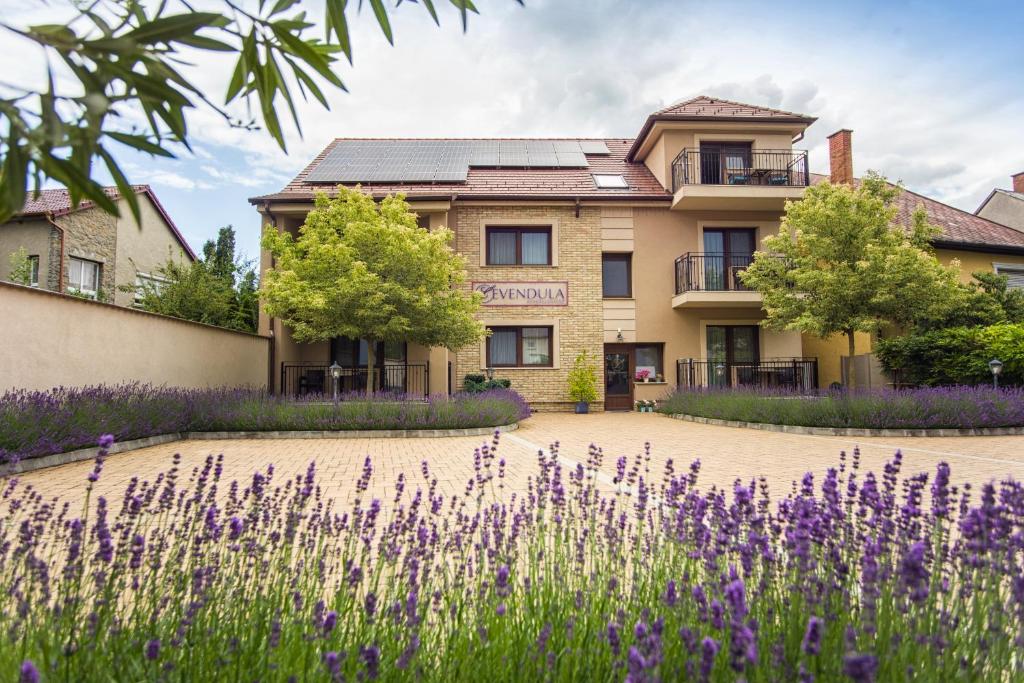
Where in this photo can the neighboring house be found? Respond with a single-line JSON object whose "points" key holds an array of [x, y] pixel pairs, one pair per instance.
{"points": [[87, 251], [1006, 206], [630, 249]]}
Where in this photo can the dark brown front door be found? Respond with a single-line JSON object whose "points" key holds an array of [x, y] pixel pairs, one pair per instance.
{"points": [[619, 364]]}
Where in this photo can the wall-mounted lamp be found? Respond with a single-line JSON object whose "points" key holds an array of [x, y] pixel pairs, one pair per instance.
{"points": [[618, 335]]}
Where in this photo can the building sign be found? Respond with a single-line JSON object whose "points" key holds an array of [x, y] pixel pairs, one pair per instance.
{"points": [[523, 293]]}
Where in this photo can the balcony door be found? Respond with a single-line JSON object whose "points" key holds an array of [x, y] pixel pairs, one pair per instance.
{"points": [[725, 163], [733, 352], [727, 252]]}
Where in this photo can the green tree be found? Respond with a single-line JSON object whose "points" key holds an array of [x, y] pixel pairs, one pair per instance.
{"points": [[359, 269], [113, 75], [219, 289], [987, 300], [583, 379], [21, 267], [841, 265]]}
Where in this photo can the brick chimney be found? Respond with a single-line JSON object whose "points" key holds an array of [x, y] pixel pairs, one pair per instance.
{"points": [[840, 156], [1018, 182]]}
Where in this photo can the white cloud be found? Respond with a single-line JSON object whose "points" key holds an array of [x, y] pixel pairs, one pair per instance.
{"points": [[598, 67]]}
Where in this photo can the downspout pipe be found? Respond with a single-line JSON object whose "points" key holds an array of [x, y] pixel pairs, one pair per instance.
{"points": [[60, 264], [271, 351]]}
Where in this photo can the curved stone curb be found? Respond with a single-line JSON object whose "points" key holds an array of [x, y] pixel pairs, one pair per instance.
{"points": [[849, 431], [57, 459]]}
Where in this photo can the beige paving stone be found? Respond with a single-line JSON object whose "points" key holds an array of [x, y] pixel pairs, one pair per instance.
{"points": [[726, 453]]}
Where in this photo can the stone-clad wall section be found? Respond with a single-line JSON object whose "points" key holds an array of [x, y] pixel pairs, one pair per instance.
{"points": [[579, 324], [91, 234]]}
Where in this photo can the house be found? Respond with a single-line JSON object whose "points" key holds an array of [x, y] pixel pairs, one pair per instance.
{"points": [[630, 249], [84, 250], [1007, 207]]}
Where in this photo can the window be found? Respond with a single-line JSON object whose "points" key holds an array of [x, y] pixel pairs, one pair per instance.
{"points": [[617, 275], [610, 182], [519, 347], [648, 357], [1014, 274], [33, 279], [84, 276], [519, 246], [144, 282]]}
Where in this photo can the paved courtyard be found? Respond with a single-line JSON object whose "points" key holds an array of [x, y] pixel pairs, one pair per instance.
{"points": [[725, 454]]}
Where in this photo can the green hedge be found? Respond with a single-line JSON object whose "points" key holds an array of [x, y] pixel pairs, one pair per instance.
{"points": [[957, 355], [476, 383]]}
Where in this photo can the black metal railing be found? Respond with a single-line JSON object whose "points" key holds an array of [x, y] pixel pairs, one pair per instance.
{"points": [[797, 374], [769, 167], [311, 378], [712, 272]]}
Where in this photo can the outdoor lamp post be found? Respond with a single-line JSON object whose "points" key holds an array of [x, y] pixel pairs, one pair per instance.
{"points": [[335, 377], [996, 366]]}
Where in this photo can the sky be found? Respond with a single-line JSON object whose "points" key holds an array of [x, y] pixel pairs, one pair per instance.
{"points": [[932, 90]]}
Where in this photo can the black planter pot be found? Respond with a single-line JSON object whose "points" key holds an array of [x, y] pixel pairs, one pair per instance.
{"points": [[582, 407]]}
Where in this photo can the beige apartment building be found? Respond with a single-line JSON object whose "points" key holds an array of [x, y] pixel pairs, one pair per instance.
{"points": [[86, 251], [629, 249]]}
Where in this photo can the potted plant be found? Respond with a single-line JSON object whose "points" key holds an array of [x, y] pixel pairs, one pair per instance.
{"points": [[583, 383], [643, 375]]}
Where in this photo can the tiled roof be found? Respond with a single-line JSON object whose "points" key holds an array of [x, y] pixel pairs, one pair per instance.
{"points": [[705, 107], [57, 202], [510, 183], [959, 228]]}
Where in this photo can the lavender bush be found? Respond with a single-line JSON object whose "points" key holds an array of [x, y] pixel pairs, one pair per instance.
{"points": [[190, 578], [36, 423], [924, 408]]}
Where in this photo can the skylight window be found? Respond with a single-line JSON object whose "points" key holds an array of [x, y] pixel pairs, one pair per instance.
{"points": [[610, 182]]}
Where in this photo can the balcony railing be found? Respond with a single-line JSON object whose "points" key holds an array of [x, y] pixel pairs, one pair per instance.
{"points": [[796, 374], [711, 272], [314, 378], [767, 167]]}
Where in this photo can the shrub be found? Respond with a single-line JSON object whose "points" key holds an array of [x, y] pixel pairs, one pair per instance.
{"points": [[958, 355], [930, 408], [34, 424], [583, 379], [475, 383], [194, 578]]}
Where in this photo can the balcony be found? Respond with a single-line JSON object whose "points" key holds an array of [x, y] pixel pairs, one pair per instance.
{"points": [[740, 179], [713, 281], [792, 374]]}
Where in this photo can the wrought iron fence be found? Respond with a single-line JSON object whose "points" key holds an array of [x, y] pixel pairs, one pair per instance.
{"points": [[798, 374], [770, 167], [308, 378]]}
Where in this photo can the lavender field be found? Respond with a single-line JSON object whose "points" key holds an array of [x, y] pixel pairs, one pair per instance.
{"points": [[924, 408], [861, 576], [37, 423]]}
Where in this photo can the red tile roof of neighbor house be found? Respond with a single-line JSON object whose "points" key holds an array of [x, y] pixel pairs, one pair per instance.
{"points": [[57, 202], [960, 229]]}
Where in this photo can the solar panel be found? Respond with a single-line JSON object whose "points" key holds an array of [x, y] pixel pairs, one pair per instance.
{"points": [[354, 161]]}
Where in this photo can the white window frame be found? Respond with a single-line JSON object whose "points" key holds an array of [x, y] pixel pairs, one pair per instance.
{"points": [[142, 278], [610, 181], [76, 273], [1014, 270], [33, 278]]}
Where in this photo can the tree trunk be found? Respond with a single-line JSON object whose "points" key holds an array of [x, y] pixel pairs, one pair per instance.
{"points": [[851, 368], [371, 362]]}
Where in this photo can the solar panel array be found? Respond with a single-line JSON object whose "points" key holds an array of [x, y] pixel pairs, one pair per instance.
{"points": [[444, 161]]}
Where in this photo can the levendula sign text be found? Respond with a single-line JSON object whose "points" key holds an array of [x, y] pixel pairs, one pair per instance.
{"points": [[523, 293]]}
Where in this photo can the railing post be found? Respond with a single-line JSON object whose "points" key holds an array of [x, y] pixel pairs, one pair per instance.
{"points": [[426, 379]]}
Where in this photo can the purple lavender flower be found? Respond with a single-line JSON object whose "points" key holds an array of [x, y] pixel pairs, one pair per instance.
{"points": [[153, 649], [370, 657], [860, 667], [330, 621], [29, 673], [708, 649], [812, 637]]}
